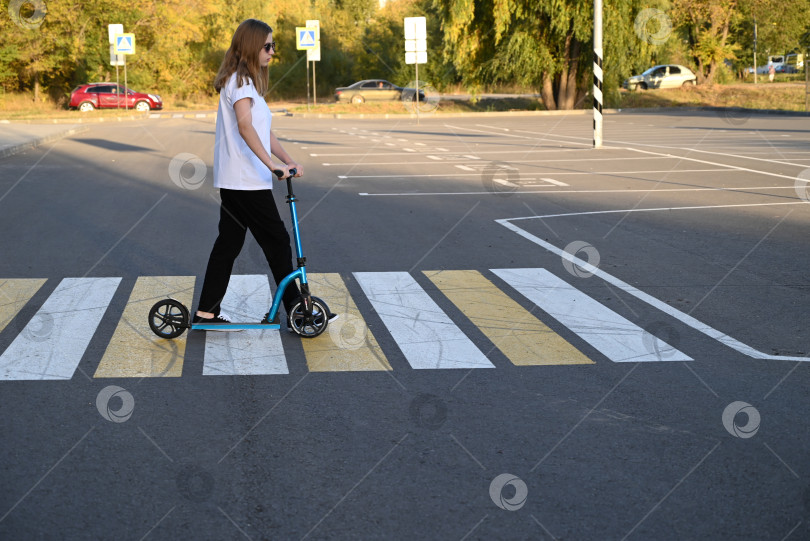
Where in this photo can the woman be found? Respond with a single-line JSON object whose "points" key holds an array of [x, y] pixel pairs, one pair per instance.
{"points": [[243, 170]]}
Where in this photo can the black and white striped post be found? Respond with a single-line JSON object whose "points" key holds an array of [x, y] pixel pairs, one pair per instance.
{"points": [[597, 74]]}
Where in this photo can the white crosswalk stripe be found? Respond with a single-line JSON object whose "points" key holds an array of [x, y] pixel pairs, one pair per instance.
{"points": [[613, 335], [251, 352], [53, 342], [426, 335]]}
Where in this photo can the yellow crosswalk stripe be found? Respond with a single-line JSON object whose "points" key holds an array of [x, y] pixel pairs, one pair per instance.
{"points": [[347, 344], [518, 334], [136, 352], [14, 294]]}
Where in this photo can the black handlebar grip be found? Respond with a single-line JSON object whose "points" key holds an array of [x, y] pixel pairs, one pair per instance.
{"points": [[279, 173]]}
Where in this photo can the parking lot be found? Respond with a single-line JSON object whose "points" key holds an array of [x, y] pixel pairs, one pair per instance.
{"points": [[538, 339]]}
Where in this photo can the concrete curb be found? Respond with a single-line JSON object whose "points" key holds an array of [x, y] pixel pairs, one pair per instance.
{"points": [[33, 143]]}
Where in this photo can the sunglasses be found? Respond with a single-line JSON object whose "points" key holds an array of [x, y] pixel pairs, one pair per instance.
{"points": [[268, 46]]}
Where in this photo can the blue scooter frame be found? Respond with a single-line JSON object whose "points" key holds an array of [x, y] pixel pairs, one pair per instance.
{"points": [[309, 317]]}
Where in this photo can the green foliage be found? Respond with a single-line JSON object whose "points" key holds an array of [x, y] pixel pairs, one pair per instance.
{"points": [[545, 45]]}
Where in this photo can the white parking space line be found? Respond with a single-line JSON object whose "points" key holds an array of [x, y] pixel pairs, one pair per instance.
{"points": [[555, 182], [517, 161], [614, 336], [561, 192], [426, 335], [644, 297], [526, 151], [251, 352], [51, 346], [573, 173]]}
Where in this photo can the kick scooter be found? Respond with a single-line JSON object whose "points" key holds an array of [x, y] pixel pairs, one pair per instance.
{"points": [[308, 318]]}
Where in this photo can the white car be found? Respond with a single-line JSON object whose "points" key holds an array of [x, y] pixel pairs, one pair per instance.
{"points": [[664, 76]]}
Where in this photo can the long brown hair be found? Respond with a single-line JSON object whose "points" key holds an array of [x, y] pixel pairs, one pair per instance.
{"points": [[243, 56]]}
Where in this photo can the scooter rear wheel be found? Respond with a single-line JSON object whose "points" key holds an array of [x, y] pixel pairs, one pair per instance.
{"points": [[309, 326], [168, 318]]}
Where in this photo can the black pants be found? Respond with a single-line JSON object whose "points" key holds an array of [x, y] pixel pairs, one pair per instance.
{"points": [[242, 210]]}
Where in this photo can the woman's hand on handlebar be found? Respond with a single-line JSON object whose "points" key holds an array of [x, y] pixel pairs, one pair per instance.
{"points": [[299, 170], [282, 171]]}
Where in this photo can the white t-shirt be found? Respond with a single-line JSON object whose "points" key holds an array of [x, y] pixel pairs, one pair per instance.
{"points": [[236, 167]]}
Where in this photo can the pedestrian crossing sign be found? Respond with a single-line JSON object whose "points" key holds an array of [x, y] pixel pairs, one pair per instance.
{"points": [[124, 44], [305, 37]]}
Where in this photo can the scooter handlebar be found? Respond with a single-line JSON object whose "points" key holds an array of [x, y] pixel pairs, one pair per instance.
{"points": [[280, 173]]}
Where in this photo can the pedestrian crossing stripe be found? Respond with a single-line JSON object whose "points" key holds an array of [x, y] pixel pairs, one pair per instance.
{"points": [[426, 335], [518, 334], [14, 294], [134, 350], [52, 343], [347, 344]]}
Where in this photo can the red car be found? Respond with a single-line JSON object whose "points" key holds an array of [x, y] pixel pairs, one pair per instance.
{"points": [[109, 95]]}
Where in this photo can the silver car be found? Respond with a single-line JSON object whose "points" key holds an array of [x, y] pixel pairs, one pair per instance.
{"points": [[664, 76]]}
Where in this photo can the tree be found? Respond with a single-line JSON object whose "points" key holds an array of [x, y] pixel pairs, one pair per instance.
{"points": [[545, 44], [707, 25]]}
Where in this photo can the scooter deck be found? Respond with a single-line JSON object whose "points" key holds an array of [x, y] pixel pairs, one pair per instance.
{"points": [[233, 326]]}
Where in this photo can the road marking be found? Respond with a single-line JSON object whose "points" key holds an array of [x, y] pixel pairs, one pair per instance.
{"points": [[555, 182], [558, 192], [465, 168], [518, 334], [134, 350], [14, 294], [499, 152], [53, 342], [466, 158], [683, 157], [347, 345], [614, 336], [649, 299], [424, 333], [589, 173], [522, 136], [245, 352]]}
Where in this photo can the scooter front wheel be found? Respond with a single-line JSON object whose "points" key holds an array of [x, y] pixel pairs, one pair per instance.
{"points": [[168, 318], [312, 325]]}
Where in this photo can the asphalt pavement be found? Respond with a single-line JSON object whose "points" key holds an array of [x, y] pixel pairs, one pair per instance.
{"points": [[537, 340]]}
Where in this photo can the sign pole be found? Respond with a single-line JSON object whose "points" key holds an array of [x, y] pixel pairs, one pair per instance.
{"points": [[417, 93], [314, 87], [126, 86], [117, 88], [597, 74], [307, 70]]}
